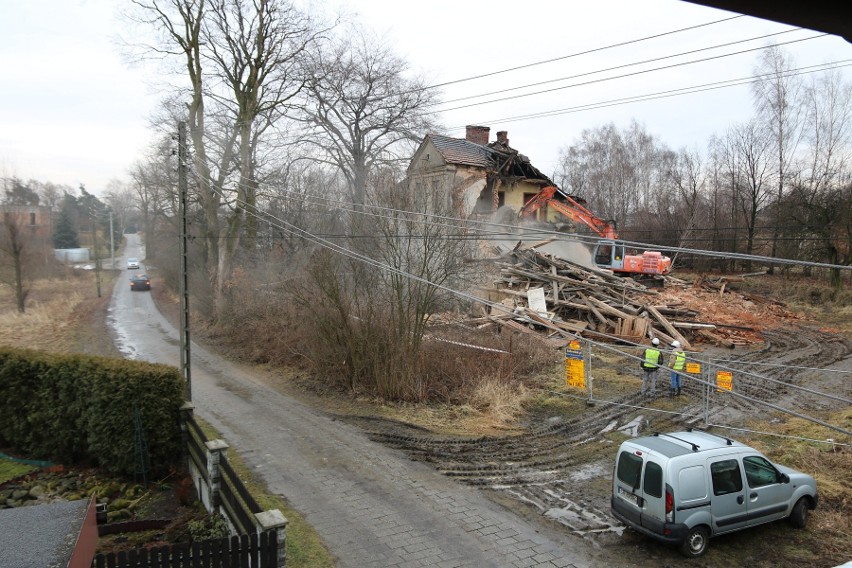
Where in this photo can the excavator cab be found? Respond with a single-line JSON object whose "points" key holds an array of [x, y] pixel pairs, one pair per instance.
{"points": [[610, 255]]}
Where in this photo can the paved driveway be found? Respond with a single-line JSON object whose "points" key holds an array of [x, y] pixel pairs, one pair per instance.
{"points": [[371, 505]]}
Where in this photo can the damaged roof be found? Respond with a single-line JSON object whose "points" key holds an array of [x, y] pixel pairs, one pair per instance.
{"points": [[462, 152], [494, 157]]}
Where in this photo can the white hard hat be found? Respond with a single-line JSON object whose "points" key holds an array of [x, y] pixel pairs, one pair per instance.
{"points": [[676, 344], [655, 341]]}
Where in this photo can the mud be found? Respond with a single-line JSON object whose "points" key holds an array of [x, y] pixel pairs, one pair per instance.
{"points": [[560, 469]]}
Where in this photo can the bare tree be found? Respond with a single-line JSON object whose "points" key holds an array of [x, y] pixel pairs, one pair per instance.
{"points": [[753, 147], [361, 104], [820, 203], [14, 247], [374, 314], [686, 177], [776, 96], [154, 184], [242, 61], [619, 173]]}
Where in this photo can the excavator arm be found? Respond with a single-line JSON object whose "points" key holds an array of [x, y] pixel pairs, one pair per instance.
{"points": [[607, 254], [571, 208]]}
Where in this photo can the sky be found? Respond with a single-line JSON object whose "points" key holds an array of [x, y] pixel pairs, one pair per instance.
{"points": [[73, 111]]}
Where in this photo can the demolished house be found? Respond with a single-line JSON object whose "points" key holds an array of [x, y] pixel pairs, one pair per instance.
{"points": [[480, 176]]}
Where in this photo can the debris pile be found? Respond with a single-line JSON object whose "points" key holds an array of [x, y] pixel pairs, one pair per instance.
{"points": [[563, 298]]}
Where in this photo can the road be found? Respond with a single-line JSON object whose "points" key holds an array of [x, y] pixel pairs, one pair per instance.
{"points": [[370, 503]]}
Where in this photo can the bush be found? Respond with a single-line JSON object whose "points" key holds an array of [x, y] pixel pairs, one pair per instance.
{"points": [[82, 409]]}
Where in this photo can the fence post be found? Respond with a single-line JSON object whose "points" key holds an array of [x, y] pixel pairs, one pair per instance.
{"points": [[186, 411], [588, 371], [274, 519], [215, 449]]}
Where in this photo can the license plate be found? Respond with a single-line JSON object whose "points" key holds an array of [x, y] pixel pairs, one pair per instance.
{"points": [[627, 496]]}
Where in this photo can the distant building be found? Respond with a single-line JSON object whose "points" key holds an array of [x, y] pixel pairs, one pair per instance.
{"points": [[34, 218]]}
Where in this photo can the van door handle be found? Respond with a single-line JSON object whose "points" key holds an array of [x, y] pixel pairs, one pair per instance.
{"points": [[752, 496], [740, 499]]}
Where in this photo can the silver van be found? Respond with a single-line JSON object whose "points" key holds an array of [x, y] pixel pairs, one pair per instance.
{"points": [[685, 487]]}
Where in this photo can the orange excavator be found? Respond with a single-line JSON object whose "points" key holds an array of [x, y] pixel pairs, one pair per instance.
{"points": [[607, 253]]}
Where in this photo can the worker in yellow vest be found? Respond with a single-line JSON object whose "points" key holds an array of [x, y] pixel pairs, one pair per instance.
{"points": [[651, 360], [678, 360]]}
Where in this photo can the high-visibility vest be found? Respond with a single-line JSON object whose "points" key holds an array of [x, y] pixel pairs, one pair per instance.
{"points": [[652, 358], [679, 360]]}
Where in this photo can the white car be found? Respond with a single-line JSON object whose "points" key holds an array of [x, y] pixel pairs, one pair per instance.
{"points": [[685, 487], [132, 263]]}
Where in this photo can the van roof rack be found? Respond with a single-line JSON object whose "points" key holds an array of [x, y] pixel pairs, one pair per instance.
{"points": [[728, 441], [695, 447]]}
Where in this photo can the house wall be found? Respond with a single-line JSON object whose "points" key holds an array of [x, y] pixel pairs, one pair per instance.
{"points": [[34, 219], [466, 185]]}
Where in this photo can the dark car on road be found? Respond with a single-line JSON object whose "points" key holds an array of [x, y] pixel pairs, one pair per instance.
{"points": [[140, 282]]}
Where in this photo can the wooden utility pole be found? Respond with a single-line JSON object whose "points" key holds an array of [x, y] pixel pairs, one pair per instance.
{"points": [[184, 271]]}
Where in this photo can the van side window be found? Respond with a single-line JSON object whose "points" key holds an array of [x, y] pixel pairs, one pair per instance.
{"points": [[653, 480], [760, 472], [726, 477], [629, 469]]}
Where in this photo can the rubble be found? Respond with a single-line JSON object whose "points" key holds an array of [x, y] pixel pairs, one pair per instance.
{"points": [[596, 303]]}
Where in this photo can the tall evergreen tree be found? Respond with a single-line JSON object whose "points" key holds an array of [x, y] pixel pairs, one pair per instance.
{"points": [[65, 234]]}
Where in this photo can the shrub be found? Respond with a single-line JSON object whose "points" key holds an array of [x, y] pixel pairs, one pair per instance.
{"points": [[78, 409]]}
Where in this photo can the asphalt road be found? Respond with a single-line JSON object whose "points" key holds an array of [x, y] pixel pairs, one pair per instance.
{"points": [[371, 504]]}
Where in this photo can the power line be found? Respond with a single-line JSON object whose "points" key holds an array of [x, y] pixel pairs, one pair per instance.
{"points": [[625, 75], [579, 53], [663, 94], [576, 237], [681, 54]]}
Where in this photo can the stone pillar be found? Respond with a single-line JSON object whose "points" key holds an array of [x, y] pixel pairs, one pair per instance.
{"points": [[274, 519], [186, 412], [215, 448]]}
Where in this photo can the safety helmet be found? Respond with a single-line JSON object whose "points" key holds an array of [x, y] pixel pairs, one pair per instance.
{"points": [[676, 344], [655, 341]]}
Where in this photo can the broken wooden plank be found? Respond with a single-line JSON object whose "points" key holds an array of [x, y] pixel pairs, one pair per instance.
{"points": [[670, 329]]}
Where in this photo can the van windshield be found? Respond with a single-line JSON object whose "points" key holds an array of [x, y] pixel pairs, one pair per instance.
{"points": [[629, 469]]}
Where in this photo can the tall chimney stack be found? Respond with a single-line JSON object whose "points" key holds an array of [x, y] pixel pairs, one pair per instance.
{"points": [[503, 137], [477, 134]]}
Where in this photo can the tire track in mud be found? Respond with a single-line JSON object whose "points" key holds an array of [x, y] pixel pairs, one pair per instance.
{"points": [[800, 347], [546, 467]]}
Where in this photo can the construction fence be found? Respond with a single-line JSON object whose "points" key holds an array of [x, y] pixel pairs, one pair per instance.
{"points": [[710, 386]]}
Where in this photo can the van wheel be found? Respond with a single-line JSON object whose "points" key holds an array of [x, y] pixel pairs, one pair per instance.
{"points": [[695, 543], [799, 515]]}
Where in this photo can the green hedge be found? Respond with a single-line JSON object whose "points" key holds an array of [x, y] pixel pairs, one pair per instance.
{"points": [[78, 409]]}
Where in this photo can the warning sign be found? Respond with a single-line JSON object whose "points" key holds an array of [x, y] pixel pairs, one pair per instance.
{"points": [[575, 373], [693, 368], [724, 381], [575, 370]]}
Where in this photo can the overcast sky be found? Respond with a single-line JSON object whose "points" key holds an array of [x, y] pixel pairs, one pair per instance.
{"points": [[72, 112]]}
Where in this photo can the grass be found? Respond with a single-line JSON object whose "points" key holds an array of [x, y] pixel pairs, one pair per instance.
{"points": [[11, 469]]}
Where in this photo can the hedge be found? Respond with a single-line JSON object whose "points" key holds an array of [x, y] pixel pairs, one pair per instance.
{"points": [[79, 409]]}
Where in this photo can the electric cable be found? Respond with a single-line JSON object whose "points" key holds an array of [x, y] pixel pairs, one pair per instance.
{"points": [[625, 75], [622, 66], [586, 52]]}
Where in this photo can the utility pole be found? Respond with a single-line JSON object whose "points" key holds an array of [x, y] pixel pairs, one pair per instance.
{"points": [[97, 254], [111, 241], [184, 271]]}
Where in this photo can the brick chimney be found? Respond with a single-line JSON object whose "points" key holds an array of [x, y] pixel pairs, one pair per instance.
{"points": [[477, 134], [503, 137]]}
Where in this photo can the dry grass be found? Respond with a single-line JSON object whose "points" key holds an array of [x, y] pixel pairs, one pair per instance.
{"points": [[830, 464], [47, 320], [499, 401]]}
